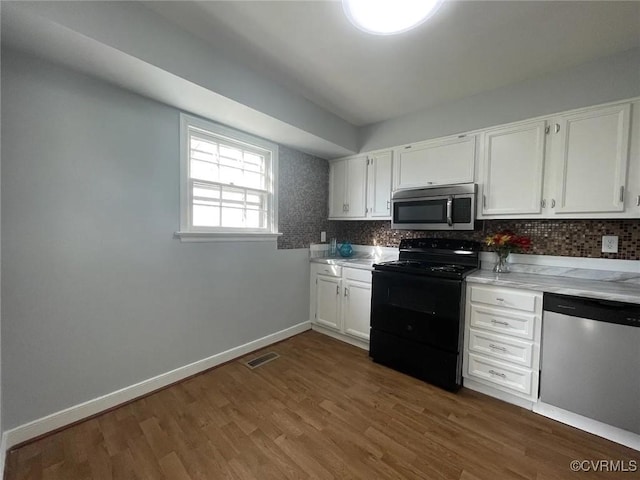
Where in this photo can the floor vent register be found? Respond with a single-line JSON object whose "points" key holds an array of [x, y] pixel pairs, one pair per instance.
{"points": [[261, 360]]}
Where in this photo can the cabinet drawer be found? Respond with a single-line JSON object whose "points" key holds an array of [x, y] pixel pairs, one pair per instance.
{"points": [[507, 376], [504, 297], [499, 321], [326, 269], [502, 348], [357, 274]]}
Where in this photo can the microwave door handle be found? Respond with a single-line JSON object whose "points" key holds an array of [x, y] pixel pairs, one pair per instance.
{"points": [[450, 211]]}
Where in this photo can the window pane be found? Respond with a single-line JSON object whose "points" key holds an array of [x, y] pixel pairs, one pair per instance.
{"points": [[205, 192], [254, 163], [205, 215], [233, 195], [254, 219], [204, 171], [255, 199], [232, 217], [253, 180], [230, 153]]}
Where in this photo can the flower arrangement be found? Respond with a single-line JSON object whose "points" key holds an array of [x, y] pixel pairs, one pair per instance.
{"points": [[503, 243]]}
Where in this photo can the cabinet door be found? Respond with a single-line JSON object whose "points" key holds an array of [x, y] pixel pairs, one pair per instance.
{"points": [[439, 162], [357, 309], [512, 166], [337, 189], [328, 301], [591, 153], [356, 187], [379, 183]]}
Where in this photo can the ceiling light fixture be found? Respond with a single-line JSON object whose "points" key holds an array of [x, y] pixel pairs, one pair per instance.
{"points": [[388, 17]]}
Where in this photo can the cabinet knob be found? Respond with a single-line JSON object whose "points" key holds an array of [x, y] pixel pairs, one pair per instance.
{"points": [[543, 203], [337, 289], [553, 203], [557, 128]]}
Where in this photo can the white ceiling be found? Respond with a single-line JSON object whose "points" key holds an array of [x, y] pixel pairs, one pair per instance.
{"points": [[467, 48]]}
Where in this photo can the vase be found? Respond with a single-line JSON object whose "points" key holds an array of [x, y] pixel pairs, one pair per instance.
{"points": [[501, 266]]}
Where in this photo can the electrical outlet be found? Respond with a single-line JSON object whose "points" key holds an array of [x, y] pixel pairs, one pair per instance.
{"points": [[609, 244], [323, 237]]}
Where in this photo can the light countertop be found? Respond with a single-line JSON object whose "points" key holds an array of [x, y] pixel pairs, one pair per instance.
{"points": [[606, 290], [363, 263]]}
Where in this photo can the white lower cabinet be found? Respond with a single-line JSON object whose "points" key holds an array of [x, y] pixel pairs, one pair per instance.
{"points": [[502, 342], [328, 303], [341, 301]]}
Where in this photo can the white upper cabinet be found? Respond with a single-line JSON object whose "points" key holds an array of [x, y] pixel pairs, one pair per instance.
{"points": [[348, 187], [337, 189], [591, 160], [581, 164], [379, 185], [512, 169], [360, 187], [444, 161]]}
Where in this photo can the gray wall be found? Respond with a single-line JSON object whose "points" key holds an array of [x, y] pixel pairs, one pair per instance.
{"points": [[97, 294], [608, 79]]}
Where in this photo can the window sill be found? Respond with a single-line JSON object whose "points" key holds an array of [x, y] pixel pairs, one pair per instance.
{"points": [[226, 236]]}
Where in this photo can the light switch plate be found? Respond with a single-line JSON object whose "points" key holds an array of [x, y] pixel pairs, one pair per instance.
{"points": [[323, 237], [609, 244]]}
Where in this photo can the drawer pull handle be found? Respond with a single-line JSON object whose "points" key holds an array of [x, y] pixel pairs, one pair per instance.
{"points": [[499, 299], [494, 321], [497, 374], [496, 347]]}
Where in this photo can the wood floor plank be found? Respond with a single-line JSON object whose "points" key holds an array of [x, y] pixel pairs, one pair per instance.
{"points": [[322, 410]]}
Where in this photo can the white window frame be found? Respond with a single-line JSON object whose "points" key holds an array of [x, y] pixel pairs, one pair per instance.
{"points": [[190, 233]]}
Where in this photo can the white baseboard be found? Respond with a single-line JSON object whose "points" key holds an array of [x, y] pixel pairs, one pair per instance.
{"points": [[70, 415], [495, 393], [3, 453], [615, 434]]}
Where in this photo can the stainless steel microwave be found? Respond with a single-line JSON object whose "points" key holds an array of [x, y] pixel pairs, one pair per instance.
{"points": [[449, 207]]}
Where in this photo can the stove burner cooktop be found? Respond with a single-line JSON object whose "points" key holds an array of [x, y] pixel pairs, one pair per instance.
{"points": [[435, 257], [425, 268]]}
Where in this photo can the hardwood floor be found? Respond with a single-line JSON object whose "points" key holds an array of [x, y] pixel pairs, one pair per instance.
{"points": [[322, 410]]}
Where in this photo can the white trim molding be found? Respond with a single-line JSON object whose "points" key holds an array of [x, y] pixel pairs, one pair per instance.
{"points": [[3, 453], [615, 434], [226, 237], [232, 138], [68, 416]]}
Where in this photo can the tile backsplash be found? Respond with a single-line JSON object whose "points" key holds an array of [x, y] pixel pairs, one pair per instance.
{"points": [[573, 238], [303, 186], [303, 211]]}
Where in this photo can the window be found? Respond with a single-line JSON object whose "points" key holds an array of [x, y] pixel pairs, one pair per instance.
{"points": [[228, 183]]}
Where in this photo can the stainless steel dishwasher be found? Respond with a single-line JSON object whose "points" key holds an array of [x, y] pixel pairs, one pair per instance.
{"points": [[591, 359]]}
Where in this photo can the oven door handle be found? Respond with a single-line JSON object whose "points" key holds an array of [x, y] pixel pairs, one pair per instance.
{"points": [[450, 211]]}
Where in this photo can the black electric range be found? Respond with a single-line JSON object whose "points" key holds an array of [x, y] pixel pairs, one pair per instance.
{"points": [[417, 309]]}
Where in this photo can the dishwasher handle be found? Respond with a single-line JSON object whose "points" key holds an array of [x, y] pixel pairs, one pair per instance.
{"points": [[594, 309]]}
